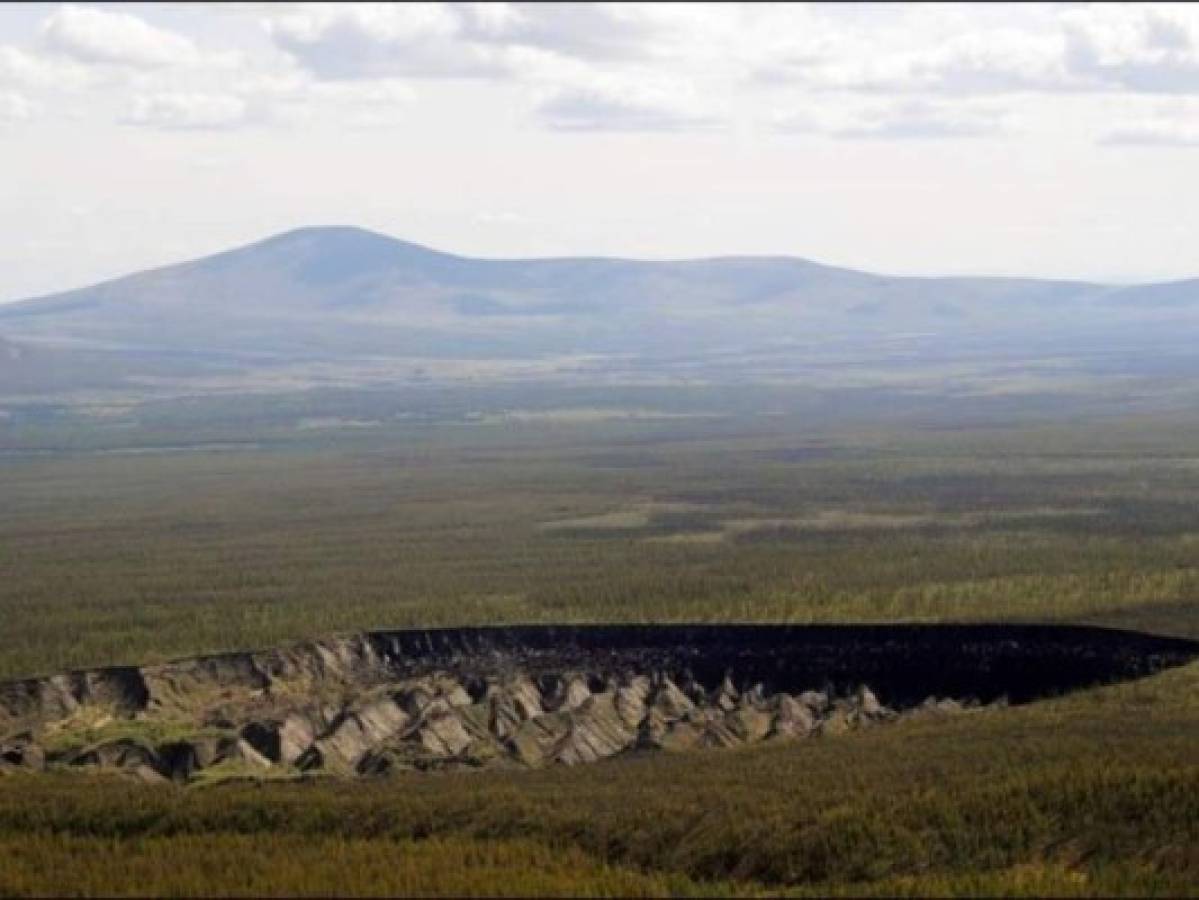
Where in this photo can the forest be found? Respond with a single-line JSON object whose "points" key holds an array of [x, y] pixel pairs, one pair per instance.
{"points": [[139, 557]]}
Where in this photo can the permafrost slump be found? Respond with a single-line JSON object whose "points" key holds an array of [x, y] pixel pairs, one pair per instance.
{"points": [[533, 696]]}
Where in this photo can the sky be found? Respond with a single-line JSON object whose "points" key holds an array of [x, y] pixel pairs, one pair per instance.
{"points": [[1057, 140]]}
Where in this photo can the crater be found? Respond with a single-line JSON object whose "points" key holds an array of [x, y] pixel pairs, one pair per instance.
{"points": [[392, 701]]}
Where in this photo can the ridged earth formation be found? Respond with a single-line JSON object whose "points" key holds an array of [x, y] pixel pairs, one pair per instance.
{"points": [[386, 702]]}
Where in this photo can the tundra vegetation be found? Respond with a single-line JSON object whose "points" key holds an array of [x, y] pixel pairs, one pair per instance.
{"points": [[173, 536]]}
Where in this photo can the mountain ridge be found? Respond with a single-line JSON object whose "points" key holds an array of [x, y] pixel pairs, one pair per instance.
{"points": [[347, 291], [343, 232]]}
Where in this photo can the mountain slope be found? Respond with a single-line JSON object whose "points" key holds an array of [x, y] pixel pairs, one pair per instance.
{"points": [[345, 291]]}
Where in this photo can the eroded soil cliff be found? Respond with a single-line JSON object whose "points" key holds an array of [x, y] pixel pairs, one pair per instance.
{"points": [[531, 696]]}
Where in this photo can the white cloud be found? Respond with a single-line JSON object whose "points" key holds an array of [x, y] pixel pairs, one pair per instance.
{"points": [[619, 105], [908, 49], [384, 92], [172, 84], [1148, 49], [284, 100], [15, 107], [1118, 47], [188, 111], [1000, 61], [591, 31], [98, 36], [920, 119], [297, 96], [363, 40], [599, 67], [367, 104], [1154, 134], [909, 119], [1173, 125], [32, 70], [799, 121]]}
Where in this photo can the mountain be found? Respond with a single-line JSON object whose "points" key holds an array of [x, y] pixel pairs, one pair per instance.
{"points": [[331, 293]]}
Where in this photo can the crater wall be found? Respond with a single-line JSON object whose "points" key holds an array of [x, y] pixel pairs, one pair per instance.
{"points": [[535, 695]]}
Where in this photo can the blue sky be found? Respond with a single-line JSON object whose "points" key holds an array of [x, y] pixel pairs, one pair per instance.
{"points": [[1056, 139]]}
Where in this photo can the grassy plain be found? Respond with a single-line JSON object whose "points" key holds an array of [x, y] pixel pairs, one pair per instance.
{"points": [[136, 556], [177, 536]]}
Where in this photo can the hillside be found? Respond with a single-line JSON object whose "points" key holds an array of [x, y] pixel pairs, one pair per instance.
{"points": [[346, 291]]}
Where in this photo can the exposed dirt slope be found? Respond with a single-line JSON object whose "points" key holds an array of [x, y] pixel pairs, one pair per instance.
{"points": [[532, 696]]}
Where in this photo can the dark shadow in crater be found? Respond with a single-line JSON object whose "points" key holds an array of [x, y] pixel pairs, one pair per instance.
{"points": [[903, 663]]}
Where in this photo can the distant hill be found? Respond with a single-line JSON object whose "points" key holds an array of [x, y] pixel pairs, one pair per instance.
{"points": [[347, 292]]}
